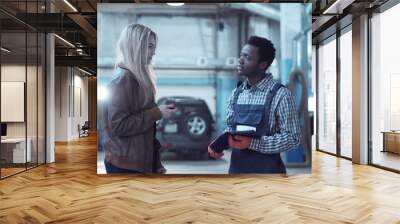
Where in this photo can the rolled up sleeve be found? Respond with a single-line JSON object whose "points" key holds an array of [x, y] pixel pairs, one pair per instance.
{"points": [[289, 135]]}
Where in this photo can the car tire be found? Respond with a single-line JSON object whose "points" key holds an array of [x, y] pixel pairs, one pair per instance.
{"points": [[197, 126]]}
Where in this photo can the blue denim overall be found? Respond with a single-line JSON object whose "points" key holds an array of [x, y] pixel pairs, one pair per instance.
{"points": [[250, 161]]}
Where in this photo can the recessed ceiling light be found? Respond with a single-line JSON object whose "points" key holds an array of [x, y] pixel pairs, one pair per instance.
{"points": [[84, 71], [5, 50], [175, 4], [64, 40], [337, 7], [70, 5]]}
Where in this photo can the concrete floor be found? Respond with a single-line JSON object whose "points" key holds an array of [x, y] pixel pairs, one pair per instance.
{"points": [[176, 165]]}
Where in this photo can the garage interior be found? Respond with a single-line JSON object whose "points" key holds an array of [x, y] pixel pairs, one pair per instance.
{"points": [[51, 46], [204, 60]]}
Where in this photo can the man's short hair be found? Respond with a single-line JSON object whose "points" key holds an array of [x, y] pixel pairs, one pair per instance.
{"points": [[266, 49]]}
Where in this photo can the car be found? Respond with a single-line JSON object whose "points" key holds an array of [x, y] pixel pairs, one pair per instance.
{"points": [[189, 131]]}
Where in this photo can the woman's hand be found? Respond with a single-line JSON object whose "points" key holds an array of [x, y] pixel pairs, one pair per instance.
{"points": [[167, 110]]}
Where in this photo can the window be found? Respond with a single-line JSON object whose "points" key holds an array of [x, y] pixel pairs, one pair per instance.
{"points": [[22, 75], [327, 96], [346, 94], [385, 88]]}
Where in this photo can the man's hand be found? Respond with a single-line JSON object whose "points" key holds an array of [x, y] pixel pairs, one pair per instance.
{"points": [[239, 142], [213, 154]]}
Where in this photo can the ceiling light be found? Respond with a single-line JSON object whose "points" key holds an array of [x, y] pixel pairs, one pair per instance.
{"points": [[337, 7], [328, 10], [65, 41], [175, 4], [70, 5], [5, 50], [86, 72]]}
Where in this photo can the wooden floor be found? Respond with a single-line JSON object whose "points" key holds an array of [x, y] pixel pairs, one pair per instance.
{"points": [[10, 171], [70, 191]]}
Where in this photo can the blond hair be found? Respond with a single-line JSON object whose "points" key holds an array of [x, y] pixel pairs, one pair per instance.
{"points": [[132, 53]]}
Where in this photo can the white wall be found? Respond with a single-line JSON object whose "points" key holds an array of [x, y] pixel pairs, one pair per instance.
{"points": [[327, 96], [71, 94], [61, 103], [13, 73], [80, 109]]}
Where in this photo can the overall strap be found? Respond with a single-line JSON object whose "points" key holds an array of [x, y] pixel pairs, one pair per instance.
{"points": [[268, 101], [239, 90]]}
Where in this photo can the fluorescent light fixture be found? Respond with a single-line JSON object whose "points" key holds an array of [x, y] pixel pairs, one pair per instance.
{"points": [[175, 4], [86, 72], [5, 50], [328, 10], [70, 5], [338, 6], [65, 41]]}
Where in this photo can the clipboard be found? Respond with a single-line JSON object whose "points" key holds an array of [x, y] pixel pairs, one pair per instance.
{"points": [[221, 143], [248, 133]]}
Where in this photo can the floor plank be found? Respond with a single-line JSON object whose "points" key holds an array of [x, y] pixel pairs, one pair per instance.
{"points": [[70, 191]]}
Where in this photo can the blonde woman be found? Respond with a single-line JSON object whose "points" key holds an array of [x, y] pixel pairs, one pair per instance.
{"points": [[131, 111]]}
